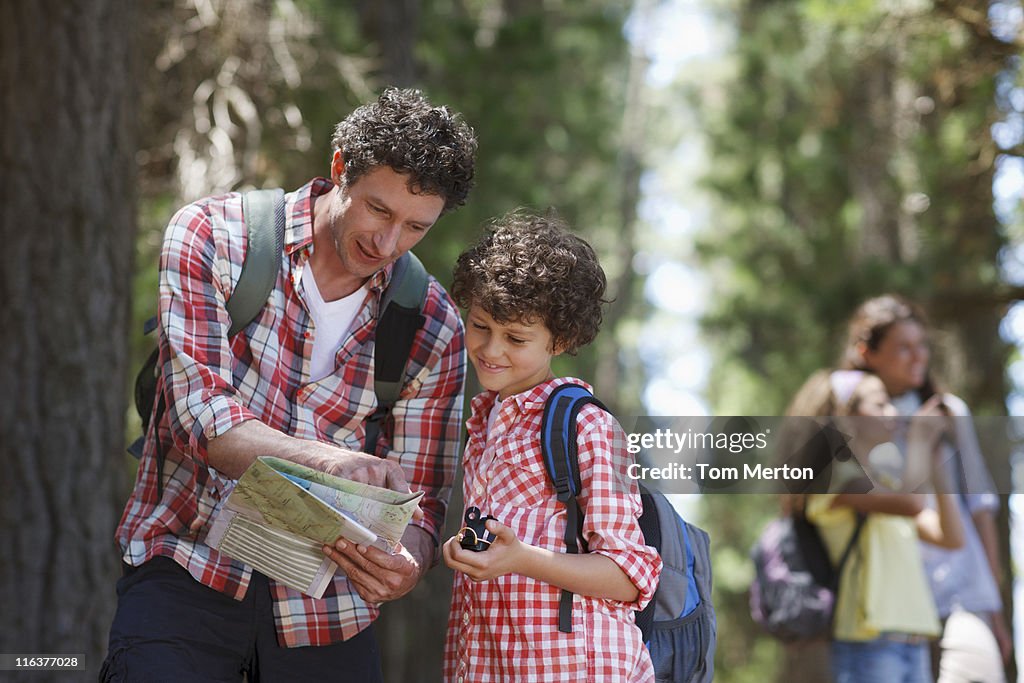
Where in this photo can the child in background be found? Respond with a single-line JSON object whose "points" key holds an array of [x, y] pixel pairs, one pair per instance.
{"points": [[885, 613], [890, 336], [534, 291]]}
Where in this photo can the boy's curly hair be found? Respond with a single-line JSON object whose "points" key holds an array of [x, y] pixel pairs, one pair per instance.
{"points": [[403, 130], [529, 267]]}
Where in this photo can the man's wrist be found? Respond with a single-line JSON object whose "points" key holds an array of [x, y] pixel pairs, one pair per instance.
{"points": [[422, 546]]}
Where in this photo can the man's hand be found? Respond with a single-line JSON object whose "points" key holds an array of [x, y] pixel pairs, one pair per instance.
{"points": [[232, 452], [361, 467], [380, 577]]}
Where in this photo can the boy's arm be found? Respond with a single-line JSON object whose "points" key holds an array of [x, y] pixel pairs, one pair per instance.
{"points": [[586, 574], [610, 501]]}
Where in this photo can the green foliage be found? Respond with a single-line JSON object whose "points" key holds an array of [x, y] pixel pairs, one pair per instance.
{"points": [[744, 654], [851, 156]]}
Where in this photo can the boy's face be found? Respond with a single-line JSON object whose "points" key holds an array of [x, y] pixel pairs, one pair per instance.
{"points": [[509, 357]]}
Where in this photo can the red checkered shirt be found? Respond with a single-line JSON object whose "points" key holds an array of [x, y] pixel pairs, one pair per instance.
{"points": [[506, 629], [262, 373]]}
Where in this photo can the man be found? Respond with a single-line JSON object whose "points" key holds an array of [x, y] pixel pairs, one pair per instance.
{"points": [[296, 383]]}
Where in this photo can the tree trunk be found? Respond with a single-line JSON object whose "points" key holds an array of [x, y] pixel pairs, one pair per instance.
{"points": [[393, 26], [67, 216], [622, 289]]}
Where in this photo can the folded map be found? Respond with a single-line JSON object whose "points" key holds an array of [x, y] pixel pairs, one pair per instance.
{"points": [[281, 514]]}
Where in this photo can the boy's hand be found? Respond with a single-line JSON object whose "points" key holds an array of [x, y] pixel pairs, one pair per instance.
{"points": [[500, 559]]}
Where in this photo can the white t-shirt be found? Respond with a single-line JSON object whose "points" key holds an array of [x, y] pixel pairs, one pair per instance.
{"points": [[331, 320]]}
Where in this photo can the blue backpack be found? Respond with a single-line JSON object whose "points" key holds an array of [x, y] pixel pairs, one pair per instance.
{"points": [[678, 625]]}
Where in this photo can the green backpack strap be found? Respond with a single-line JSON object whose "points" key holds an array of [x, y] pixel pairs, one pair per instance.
{"points": [[401, 317], [264, 214], [263, 211]]}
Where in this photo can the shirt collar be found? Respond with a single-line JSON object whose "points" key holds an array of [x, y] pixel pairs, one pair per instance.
{"points": [[526, 401], [298, 231]]}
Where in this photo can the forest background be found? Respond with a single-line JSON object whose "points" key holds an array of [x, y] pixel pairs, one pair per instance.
{"points": [[825, 153]]}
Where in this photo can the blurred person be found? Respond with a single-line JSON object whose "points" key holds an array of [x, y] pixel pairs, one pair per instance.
{"points": [[885, 614], [888, 335], [296, 383]]}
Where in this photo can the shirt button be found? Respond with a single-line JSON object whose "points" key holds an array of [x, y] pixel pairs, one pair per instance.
{"points": [[307, 334], [479, 490], [465, 617]]}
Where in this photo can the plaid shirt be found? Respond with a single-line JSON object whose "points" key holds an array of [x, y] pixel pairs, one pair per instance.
{"points": [[506, 629], [212, 384]]}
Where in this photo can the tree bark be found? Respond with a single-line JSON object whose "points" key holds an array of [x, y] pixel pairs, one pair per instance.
{"points": [[67, 219], [622, 289], [393, 26]]}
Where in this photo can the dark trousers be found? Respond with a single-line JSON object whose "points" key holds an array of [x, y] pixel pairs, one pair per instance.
{"points": [[170, 627]]}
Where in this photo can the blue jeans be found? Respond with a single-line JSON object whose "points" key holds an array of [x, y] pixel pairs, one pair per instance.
{"points": [[881, 661]]}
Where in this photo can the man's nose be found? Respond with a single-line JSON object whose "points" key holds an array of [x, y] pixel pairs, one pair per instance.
{"points": [[386, 240]]}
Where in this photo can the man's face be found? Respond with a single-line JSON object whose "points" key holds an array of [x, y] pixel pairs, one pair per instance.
{"points": [[377, 219]]}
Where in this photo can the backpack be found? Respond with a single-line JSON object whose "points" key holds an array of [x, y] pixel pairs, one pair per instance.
{"points": [[401, 317], [795, 588], [678, 625]]}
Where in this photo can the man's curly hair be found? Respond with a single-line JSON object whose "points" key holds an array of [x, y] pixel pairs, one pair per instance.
{"points": [[403, 130], [529, 268]]}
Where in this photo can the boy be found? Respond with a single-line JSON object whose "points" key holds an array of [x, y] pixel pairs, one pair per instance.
{"points": [[534, 291]]}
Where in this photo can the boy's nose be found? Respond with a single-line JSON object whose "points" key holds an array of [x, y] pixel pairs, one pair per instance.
{"points": [[492, 347]]}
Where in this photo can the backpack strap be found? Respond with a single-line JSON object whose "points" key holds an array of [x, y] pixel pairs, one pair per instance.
{"points": [[847, 552], [861, 519], [561, 459], [400, 318], [264, 221], [264, 214]]}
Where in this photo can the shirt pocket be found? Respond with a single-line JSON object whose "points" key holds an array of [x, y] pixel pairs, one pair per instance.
{"points": [[518, 477]]}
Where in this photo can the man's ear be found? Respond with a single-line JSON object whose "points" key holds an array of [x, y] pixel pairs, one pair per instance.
{"points": [[337, 167]]}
